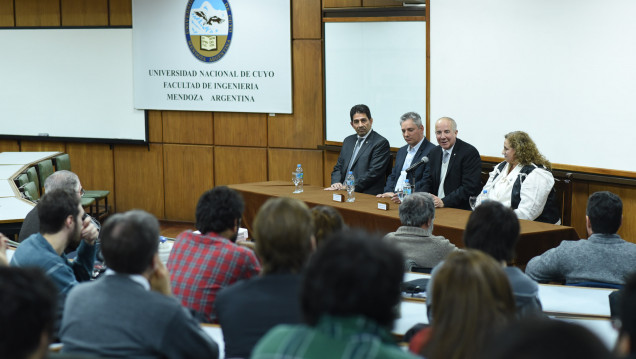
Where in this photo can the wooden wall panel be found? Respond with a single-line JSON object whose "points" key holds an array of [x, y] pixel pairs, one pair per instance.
{"points": [[240, 129], [188, 172], [139, 178], [381, 3], [94, 165], [341, 3], [303, 128], [155, 126], [192, 127], [6, 13], [84, 12], [9, 146], [282, 162], [37, 146], [330, 159], [120, 12], [580, 194], [37, 13], [239, 165], [628, 196], [306, 19]]}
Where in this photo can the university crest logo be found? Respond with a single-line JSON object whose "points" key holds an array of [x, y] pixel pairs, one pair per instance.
{"points": [[208, 28]]}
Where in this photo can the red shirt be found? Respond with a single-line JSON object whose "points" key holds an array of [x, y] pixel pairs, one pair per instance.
{"points": [[200, 265]]}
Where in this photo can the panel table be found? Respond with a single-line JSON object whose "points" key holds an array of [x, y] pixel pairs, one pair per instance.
{"points": [[536, 237]]}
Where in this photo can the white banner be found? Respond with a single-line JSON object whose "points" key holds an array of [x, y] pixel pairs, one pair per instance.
{"points": [[212, 55]]}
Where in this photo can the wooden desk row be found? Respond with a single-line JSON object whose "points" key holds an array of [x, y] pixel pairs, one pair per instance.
{"points": [[536, 237]]}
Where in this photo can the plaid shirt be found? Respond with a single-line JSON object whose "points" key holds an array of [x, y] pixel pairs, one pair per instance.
{"points": [[200, 265]]}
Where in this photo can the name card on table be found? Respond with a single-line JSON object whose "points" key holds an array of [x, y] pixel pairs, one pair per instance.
{"points": [[338, 197], [383, 206]]}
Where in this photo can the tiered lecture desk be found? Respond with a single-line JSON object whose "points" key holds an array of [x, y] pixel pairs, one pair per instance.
{"points": [[13, 208]]}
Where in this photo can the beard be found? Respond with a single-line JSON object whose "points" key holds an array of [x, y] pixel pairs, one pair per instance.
{"points": [[75, 237], [233, 237]]}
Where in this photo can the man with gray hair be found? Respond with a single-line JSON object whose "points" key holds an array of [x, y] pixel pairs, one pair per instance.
{"points": [[411, 155], [59, 180], [414, 237]]}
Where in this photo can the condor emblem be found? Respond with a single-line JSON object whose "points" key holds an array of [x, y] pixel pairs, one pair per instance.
{"points": [[208, 28]]}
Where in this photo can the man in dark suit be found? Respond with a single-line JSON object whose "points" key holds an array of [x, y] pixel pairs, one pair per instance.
{"points": [[366, 154], [454, 168], [417, 147]]}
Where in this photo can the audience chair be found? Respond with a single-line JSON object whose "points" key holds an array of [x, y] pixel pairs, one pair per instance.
{"points": [[30, 191], [32, 175], [62, 162], [45, 169], [21, 180]]}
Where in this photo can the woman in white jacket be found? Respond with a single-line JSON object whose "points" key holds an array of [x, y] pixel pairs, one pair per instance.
{"points": [[523, 181]]}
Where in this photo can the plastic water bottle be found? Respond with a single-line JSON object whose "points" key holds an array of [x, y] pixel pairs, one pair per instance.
{"points": [[406, 189], [299, 179], [483, 198], [350, 183]]}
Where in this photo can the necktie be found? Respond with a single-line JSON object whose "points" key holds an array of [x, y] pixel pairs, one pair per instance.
{"points": [[446, 157], [355, 152]]}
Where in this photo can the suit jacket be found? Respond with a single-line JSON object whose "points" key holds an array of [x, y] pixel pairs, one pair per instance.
{"points": [[415, 177], [250, 308], [463, 176], [370, 165]]}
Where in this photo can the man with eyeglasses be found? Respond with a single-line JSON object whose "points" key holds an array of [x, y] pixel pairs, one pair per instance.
{"points": [[60, 180]]}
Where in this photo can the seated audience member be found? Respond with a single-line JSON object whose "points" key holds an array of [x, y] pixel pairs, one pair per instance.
{"points": [[59, 180], [523, 181], [417, 146], [249, 308], [472, 300], [626, 345], [494, 229], [604, 257], [130, 312], [60, 214], [415, 236], [27, 313], [349, 295], [203, 263], [545, 339], [327, 220]]}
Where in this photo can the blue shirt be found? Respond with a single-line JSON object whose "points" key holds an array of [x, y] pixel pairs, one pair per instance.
{"points": [[35, 251]]}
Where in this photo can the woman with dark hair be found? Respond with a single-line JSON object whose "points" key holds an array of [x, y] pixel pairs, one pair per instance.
{"points": [[472, 300], [523, 181]]}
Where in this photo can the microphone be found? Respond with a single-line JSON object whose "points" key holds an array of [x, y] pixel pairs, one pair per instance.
{"points": [[424, 160]]}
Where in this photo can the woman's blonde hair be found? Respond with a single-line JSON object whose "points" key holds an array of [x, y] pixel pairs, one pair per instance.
{"points": [[526, 151]]}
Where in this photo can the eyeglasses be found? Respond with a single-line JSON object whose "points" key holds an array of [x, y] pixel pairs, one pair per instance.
{"points": [[82, 192]]}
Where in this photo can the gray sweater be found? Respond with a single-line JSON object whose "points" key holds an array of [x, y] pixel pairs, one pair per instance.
{"points": [[601, 258], [418, 248], [115, 316]]}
